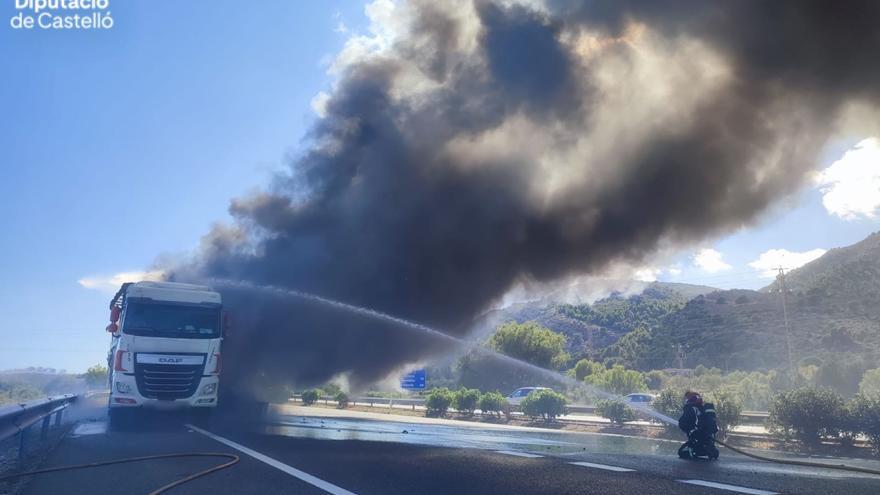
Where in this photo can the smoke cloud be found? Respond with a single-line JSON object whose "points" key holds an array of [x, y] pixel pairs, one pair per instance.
{"points": [[468, 147]]}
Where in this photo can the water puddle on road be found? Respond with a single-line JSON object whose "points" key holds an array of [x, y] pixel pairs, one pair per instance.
{"points": [[556, 443], [91, 428]]}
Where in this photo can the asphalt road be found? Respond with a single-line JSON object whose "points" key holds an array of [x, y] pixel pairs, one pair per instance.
{"points": [[339, 455]]}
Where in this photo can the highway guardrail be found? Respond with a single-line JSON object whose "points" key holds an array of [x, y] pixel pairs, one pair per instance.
{"points": [[15, 419], [746, 417]]}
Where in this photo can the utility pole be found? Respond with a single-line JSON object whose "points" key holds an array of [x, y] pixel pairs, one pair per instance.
{"points": [[783, 291], [679, 355]]}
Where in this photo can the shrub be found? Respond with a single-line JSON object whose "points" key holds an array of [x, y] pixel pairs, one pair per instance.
{"points": [[807, 415], [615, 410], [310, 396], [870, 384], [465, 400], [341, 400], [728, 409], [546, 404], [96, 376], [618, 380], [492, 402], [864, 414], [532, 343], [438, 401], [669, 404], [585, 368], [655, 379]]}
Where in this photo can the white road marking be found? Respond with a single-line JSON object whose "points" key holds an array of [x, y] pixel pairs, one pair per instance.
{"points": [[603, 466], [518, 454], [731, 488], [296, 473]]}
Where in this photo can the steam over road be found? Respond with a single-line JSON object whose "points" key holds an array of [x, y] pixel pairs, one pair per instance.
{"points": [[338, 455]]}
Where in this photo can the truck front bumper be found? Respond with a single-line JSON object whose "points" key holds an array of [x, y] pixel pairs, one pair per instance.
{"points": [[125, 395]]}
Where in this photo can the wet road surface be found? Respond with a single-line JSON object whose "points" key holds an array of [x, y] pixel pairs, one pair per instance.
{"points": [[340, 455]]}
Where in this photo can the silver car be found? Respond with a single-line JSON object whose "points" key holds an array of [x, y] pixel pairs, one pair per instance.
{"points": [[519, 394]]}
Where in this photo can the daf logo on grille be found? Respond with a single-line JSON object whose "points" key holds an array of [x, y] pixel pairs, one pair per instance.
{"points": [[170, 360]]}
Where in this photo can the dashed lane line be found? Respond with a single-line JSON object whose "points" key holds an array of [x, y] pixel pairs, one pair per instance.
{"points": [[730, 488], [518, 454], [296, 473], [603, 466]]}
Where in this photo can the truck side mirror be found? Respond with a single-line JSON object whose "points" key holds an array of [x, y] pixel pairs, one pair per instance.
{"points": [[114, 314], [112, 328]]}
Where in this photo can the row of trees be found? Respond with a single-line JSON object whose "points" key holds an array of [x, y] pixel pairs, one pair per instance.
{"points": [[535, 344], [544, 404], [812, 415], [311, 396]]}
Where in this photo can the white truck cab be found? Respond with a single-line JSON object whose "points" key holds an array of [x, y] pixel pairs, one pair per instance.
{"points": [[165, 346]]}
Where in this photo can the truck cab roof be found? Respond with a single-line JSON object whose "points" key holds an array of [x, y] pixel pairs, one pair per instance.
{"points": [[166, 291]]}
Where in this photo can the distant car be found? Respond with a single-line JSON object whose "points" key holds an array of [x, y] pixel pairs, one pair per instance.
{"points": [[519, 394], [639, 399]]}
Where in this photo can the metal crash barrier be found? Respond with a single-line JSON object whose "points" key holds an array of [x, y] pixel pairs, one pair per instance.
{"points": [[16, 419]]}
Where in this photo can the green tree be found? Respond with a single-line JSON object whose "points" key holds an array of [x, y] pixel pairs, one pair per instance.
{"points": [[865, 416], [655, 379], [728, 409], [492, 402], [532, 343], [438, 401], [615, 410], [96, 376], [669, 403], [311, 396], [807, 415], [618, 380], [545, 404], [341, 400], [585, 368], [465, 400], [841, 376], [870, 384]]}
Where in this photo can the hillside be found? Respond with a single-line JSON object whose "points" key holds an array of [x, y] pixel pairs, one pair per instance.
{"points": [[592, 327], [833, 306], [843, 280], [833, 313]]}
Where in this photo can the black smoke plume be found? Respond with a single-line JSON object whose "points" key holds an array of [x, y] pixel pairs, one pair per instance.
{"points": [[489, 144]]}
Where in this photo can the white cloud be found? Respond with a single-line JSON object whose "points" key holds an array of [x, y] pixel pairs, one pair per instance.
{"points": [[851, 186], [710, 261], [111, 283], [769, 261], [340, 24], [384, 28], [319, 104]]}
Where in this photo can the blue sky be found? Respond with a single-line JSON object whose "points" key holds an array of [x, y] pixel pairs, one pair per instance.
{"points": [[125, 144]]}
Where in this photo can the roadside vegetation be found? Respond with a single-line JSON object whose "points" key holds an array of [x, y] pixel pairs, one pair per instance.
{"points": [[803, 409], [813, 416], [545, 404]]}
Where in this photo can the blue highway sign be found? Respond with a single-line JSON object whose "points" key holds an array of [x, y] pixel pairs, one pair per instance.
{"points": [[414, 380]]}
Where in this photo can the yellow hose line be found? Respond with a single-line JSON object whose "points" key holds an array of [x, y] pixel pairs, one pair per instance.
{"points": [[233, 460]]}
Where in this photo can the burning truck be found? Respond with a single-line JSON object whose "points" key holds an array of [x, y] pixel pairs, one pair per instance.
{"points": [[164, 348]]}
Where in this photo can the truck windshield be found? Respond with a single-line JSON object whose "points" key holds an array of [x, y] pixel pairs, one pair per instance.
{"points": [[171, 321]]}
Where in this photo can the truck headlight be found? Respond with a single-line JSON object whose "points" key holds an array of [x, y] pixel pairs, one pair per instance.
{"points": [[123, 388], [209, 389]]}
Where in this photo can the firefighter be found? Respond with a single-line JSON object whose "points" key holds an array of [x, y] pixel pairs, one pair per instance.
{"points": [[699, 423]]}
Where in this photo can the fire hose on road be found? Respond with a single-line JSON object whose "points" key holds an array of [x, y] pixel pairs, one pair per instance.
{"points": [[795, 462], [233, 459]]}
